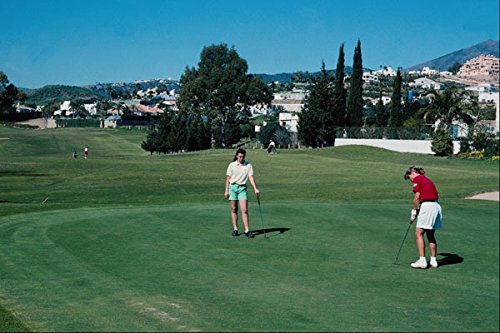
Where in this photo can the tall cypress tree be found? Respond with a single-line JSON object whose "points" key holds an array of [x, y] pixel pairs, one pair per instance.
{"points": [[396, 118], [380, 114], [355, 101], [340, 93]]}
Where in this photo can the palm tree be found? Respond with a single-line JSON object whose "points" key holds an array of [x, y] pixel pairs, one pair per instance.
{"points": [[451, 105]]}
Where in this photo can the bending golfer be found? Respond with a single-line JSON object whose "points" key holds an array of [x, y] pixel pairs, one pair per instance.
{"points": [[428, 210], [238, 173]]}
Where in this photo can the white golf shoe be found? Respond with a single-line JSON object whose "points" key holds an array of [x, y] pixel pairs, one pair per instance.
{"points": [[434, 264], [419, 264]]}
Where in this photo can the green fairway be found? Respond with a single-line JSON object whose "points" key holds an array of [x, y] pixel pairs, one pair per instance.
{"points": [[127, 241]]}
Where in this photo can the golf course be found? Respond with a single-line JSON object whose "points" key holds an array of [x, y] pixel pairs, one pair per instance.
{"points": [[129, 241]]}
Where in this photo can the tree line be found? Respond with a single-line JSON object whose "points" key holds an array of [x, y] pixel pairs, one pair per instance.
{"points": [[9, 95]]}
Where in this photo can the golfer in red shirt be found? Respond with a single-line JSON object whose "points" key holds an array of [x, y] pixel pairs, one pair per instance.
{"points": [[428, 210]]}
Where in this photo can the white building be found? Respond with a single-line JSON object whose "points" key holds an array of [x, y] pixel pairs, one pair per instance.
{"points": [[91, 108], [368, 77], [65, 109], [428, 71], [426, 83], [289, 121], [487, 97], [386, 71], [25, 109], [290, 101], [289, 105], [259, 109], [483, 87], [295, 94]]}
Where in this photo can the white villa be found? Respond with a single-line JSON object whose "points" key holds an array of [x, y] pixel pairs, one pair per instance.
{"points": [[64, 108], [290, 101], [387, 71], [426, 83], [289, 121], [369, 77], [91, 108]]}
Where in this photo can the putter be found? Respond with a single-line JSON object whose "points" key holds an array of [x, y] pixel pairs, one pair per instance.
{"points": [[406, 234], [261, 219]]}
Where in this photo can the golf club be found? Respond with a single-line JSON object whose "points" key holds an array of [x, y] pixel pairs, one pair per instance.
{"points": [[406, 234], [261, 219]]}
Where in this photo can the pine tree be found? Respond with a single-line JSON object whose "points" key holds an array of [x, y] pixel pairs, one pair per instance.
{"points": [[316, 121], [396, 118], [326, 108], [340, 93], [355, 101], [151, 142], [221, 88], [307, 127]]}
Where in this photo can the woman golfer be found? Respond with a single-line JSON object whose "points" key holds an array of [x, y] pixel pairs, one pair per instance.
{"points": [[426, 206], [238, 173]]}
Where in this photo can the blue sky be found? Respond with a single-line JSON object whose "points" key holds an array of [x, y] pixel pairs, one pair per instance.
{"points": [[79, 42]]}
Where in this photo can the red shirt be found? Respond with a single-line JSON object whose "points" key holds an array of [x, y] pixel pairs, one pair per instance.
{"points": [[426, 187]]}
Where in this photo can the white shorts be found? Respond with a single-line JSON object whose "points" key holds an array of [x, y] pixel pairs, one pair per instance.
{"points": [[430, 216]]}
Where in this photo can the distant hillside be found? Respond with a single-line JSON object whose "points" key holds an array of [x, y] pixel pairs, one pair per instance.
{"points": [[103, 89], [443, 63], [287, 77], [59, 93]]}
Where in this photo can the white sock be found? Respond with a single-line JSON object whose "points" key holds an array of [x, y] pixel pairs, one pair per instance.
{"points": [[423, 259], [433, 259]]}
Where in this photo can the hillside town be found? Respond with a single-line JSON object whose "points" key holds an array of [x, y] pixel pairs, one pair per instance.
{"points": [[479, 75]]}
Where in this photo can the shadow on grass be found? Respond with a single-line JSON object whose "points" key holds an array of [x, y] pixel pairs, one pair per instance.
{"points": [[271, 232], [20, 173], [449, 259]]}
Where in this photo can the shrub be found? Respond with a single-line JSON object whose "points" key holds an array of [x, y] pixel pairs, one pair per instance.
{"points": [[442, 144], [475, 155], [465, 146]]}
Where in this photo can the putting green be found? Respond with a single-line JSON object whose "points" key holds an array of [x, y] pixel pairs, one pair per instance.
{"points": [[176, 268]]}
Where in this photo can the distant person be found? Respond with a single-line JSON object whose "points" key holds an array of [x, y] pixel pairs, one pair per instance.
{"points": [[238, 173], [271, 147], [86, 151], [428, 211]]}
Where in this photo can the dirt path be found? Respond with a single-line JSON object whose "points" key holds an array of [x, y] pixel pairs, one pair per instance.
{"points": [[494, 196], [40, 122]]}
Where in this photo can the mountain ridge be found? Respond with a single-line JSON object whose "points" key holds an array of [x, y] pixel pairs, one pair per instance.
{"points": [[444, 62]]}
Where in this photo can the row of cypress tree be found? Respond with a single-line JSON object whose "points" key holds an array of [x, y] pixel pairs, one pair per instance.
{"points": [[330, 107]]}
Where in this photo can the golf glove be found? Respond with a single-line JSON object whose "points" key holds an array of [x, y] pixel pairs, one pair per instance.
{"points": [[413, 215]]}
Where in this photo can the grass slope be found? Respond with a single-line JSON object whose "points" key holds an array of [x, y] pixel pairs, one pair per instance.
{"points": [[125, 241]]}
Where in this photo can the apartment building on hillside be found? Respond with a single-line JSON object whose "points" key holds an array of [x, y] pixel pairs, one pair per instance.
{"points": [[486, 67]]}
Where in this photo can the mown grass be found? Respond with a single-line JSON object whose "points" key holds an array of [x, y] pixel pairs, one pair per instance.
{"points": [[127, 241]]}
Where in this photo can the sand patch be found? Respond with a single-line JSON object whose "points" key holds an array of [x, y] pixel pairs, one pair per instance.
{"points": [[39, 122], [493, 196]]}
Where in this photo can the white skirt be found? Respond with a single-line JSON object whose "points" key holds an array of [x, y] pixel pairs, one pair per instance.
{"points": [[430, 216]]}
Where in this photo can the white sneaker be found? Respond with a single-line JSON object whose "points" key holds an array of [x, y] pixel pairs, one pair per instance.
{"points": [[419, 264], [434, 264]]}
